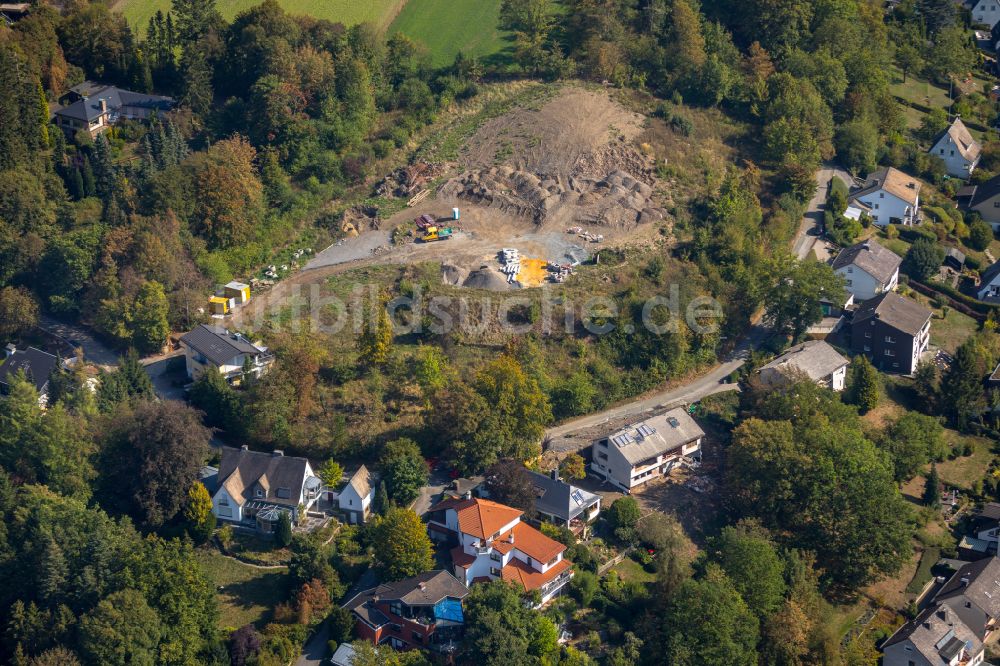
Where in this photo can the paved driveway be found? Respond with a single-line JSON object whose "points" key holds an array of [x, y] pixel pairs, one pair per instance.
{"points": [[812, 221], [94, 350]]}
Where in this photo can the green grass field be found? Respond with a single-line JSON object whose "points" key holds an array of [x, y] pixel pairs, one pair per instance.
{"points": [[348, 12], [248, 594], [446, 27]]}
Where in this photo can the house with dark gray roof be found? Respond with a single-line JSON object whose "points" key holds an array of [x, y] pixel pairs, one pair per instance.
{"points": [[230, 353], [564, 504], [421, 612], [936, 637], [892, 331], [989, 284], [984, 199], [253, 488], [815, 360], [95, 107], [36, 365], [973, 593], [868, 269]]}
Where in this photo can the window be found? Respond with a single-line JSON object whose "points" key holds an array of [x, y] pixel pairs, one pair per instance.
{"points": [[875, 217], [850, 282], [890, 339], [850, 269], [223, 500], [942, 151], [881, 195], [417, 636], [867, 348], [284, 493], [868, 334], [259, 493], [890, 352], [496, 557], [602, 456], [225, 512], [876, 206], [952, 153], [494, 571]]}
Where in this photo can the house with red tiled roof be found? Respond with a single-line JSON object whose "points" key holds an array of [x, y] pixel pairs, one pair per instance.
{"points": [[491, 542]]}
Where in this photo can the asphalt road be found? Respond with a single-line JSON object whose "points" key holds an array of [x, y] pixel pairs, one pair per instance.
{"points": [[94, 350], [813, 219], [430, 493], [710, 383]]}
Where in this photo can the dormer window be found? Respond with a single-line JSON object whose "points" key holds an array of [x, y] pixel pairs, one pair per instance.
{"points": [[259, 493], [284, 493]]}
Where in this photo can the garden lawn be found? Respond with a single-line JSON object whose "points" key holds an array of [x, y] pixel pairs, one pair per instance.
{"points": [[446, 27], [949, 333], [630, 570], [964, 471], [919, 91], [348, 12], [928, 559], [246, 594]]}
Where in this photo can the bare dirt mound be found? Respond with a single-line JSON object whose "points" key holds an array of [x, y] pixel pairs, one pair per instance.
{"points": [[486, 278], [570, 163]]}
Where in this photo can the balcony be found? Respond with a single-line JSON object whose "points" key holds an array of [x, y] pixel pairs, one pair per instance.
{"points": [[556, 582]]}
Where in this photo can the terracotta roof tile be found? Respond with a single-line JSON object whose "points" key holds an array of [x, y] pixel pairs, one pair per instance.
{"points": [[518, 572], [460, 558], [483, 518]]}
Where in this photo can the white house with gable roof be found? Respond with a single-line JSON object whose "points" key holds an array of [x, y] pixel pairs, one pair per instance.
{"points": [[646, 450]]}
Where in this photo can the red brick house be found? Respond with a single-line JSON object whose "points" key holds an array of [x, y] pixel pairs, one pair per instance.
{"points": [[424, 611]]}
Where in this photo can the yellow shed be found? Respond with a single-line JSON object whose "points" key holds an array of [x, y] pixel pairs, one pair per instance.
{"points": [[218, 305], [239, 292]]}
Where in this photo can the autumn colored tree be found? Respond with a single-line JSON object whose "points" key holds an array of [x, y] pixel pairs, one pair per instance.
{"points": [[517, 410], [18, 312], [312, 600], [401, 545], [375, 341], [198, 512], [573, 467], [229, 200]]}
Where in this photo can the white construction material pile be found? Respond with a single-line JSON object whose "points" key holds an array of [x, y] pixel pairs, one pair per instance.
{"points": [[510, 259]]}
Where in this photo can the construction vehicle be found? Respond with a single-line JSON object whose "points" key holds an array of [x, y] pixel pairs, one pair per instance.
{"points": [[436, 234], [424, 221]]}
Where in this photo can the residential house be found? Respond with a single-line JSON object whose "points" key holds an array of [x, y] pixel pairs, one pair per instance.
{"points": [[888, 196], [11, 12], [868, 269], [936, 637], [36, 365], [564, 504], [254, 488], [355, 500], [984, 199], [465, 488], [423, 612], [814, 359], [646, 450], [984, 534], [229, 353], [491, 542], [985, 12], [892, 331], [957, 149], [973, 593], [95, 107], [989, 284]]}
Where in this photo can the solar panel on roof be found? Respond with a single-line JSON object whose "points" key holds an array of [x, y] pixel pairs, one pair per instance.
{"points": [[577, 497], [645, 430]]}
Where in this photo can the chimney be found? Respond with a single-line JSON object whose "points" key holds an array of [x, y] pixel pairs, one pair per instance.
{"points": [[9, 350], [104, 106], [554, 474], [964, 580], [510, 539], [422, 585], [245, 448], [277, 453]]}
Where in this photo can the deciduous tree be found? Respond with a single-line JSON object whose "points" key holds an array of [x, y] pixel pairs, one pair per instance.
{"points": [[401, 545]]}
